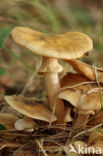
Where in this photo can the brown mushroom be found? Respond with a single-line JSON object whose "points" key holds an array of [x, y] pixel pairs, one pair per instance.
{"points": [[8, 120], [74, 87], [90, 104], [26, 124], [96, 141], [87, 70], [32, 108], [67, 46]]}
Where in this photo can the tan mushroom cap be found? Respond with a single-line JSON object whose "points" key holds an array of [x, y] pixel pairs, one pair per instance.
{"points": [[69, 45], [69, 95], [92, 100], [8, 120], [87, 70], [31, 107]]}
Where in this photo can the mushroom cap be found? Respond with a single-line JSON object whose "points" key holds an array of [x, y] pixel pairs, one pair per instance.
{"points": [[87, 70], [8, 120], [69, 45], [28, 125], [73, 79], [73, 88], [69, 95], [30, 107], [92, 101]]}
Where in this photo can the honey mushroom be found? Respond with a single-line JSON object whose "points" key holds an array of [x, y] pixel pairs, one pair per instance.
{"points": [[90, 105], [73, 88], [32, 108], [66, 46]]}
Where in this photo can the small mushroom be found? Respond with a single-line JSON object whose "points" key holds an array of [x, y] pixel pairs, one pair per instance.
{"points": [[26, 124], [8, 120], [90, 105], [96, 141], [74, 87], [32, 108], [67, 46], [70, 93], [87, 70]]}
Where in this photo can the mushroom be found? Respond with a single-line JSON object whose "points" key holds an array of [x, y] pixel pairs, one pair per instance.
{"points": [[96, 140], [90, 105], [8, 120], [32, 108], [67, 46], [68, 117], [74, 88], [87, 70]]}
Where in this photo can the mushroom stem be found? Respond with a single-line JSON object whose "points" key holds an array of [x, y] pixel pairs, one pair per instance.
{"points": [[52, 85], [81, 121], [51, 67]]}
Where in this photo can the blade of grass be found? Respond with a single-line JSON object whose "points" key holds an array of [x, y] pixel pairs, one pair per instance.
{"points": [[48, 11]]}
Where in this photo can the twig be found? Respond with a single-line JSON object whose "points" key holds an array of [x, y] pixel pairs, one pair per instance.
{"points": [[88, 130], [41, 147]]}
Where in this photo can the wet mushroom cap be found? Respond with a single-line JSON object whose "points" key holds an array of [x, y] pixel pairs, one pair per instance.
{"points": [[69, 45], [30, 107]]}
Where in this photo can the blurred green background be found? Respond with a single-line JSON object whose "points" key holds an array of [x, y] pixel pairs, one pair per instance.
{"points": [[49, 16]]}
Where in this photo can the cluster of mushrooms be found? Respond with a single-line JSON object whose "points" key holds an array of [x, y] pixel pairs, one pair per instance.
{"points": [[76, 94]]}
